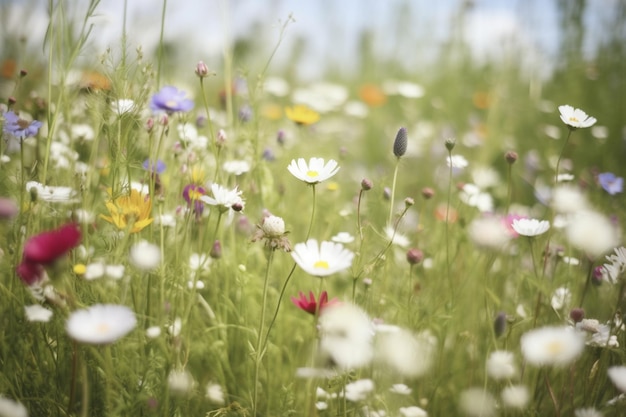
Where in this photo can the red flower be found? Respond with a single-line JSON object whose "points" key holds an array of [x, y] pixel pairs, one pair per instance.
{"points": [[310, 305], [47, 247]]}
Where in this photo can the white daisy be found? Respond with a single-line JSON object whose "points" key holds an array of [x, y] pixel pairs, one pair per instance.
{"points": [[405, 353], [488, 232], [215, 393], [313, 172], [346, 335], [530, 227], [100, 323], [236, 167], [588, 412], [359, 390], [413, 411], [223, 197], [123, 105], [145, 255], [52, 194], [323, 260], [552, 345], [36, 312], [501, 365], [457, 161], [476, 402], [401, 389], [343, 237], [11, 408], [575, 117], [561, 298], [618, 377], [592, 232]]}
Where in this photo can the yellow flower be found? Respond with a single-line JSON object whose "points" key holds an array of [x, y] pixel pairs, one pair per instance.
{"points": [[130, 212], [302, 115]]}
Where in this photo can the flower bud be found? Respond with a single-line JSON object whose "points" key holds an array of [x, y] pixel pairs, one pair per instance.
{"points": [[273, 226], [366, 184], [577, 315], [201, 69], [428, 193], [386, 193], [450, 142], [216, 250], [221, 137], [499, 324], [414, 256], [511, 157], [408, 202], [400, 144], [237, 207]]}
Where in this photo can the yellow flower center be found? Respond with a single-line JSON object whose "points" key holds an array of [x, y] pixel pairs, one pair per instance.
{"points": [[573, 119], [194, 195], [171, 103], [312, 174], [321, 264], [555, 347], [102, 328]]}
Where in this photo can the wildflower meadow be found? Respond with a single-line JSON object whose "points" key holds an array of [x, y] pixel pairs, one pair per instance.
{"points": [[201, 236]]}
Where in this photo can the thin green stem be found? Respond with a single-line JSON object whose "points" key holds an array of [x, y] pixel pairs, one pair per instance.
{"points": [[308, 233], [447, 222], [393, 190], [259, 352], [558, 161], [160, 50]]}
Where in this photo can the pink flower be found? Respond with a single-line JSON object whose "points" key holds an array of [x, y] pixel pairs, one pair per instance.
{"points": [[310, 305], [45, 248]]}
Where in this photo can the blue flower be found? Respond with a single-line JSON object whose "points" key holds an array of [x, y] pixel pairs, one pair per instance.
{"points": [[611, 183], [170, 100], [157, 168], [19, 128]]}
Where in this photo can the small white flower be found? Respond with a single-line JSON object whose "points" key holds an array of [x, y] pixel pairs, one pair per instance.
{"points": [[515, 396], [413, 411], [457, 162], [591, 232], [175, 328], [215, 393], [489, 232], [100, 323], [474, 197], [401, 389], [153, 332], [618, 377], [180, 382], [11, 408], [588, 412], [552, 345], [223, 197], [561, 298], [575, 118], [343, 237], [313, 172], [530, 227], [501, 365], [322, 260], [568, 199], [123, 105], [401, 351], [396, 238], [36, 312], [236, 167], [476, 402], [321, 405], [273, 226], [145, 255], [346, 336], [52, 194], [199, 263], [359, 390]]}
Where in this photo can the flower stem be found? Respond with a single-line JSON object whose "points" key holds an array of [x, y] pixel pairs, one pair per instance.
{"points": [[393, 190], [260, 349], [558, 161], [447, 221], [308, 233]]}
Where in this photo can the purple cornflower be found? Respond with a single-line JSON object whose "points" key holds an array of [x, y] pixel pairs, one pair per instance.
{"points": [[170, 100], [157, 168], [611, 184], [19, 128]]}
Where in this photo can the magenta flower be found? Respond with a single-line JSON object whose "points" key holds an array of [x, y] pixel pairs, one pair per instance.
{"points": [[19, 128], [192, 194], [310, 305], [611, 183], [44, 249], [170, 100]]}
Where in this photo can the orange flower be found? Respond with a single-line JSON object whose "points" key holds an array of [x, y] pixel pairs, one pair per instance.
{"points": [[92, 80], [440, 213], [481, 99], [372, 95], [302, 115], [7, 68], [130, 212]]}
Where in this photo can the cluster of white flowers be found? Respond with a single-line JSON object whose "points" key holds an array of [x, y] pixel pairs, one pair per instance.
{"points": [[613, 270]]}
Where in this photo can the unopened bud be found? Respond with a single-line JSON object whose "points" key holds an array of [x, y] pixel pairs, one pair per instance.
{"points": [[450, 143], [150, 124], [428, 193], [400, 144], [414, 256], [511, 157], [216, 250], [201, 69], [577, 315], [237, 207], [221, 137], [386, 193], [366, 184], [408, 202], [499, 324], [11, 101], [23, 73]]}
